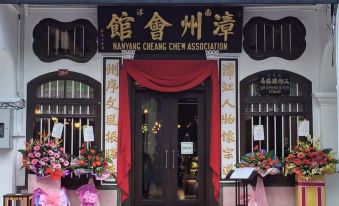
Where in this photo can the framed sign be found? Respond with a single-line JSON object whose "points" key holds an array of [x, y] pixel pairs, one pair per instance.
{"points": [[274, 84], [111, 111], [176, 29], [229, 118]]}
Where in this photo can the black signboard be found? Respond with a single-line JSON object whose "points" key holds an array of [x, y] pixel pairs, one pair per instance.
{"points": [[163, 28], [274, 84]]}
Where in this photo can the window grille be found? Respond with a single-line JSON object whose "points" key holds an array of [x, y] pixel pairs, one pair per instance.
{"points": [[280, 115]]}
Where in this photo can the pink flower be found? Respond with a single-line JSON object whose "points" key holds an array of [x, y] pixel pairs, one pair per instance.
{"points": [[58, 166], [36, 148], [35, 161], [62, 149], [51, 143], [42, 163], [56, 155], [50, 152], [66, 163], [52, 158], [54, 166], [45, 159], [31, 155], [61, 159], [38, 154]]}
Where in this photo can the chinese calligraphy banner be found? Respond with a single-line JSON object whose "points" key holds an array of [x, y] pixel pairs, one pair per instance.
{"points": [[183, 29], [111, 112], [228, 83]]}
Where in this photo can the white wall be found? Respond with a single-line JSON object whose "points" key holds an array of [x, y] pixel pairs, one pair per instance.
{"points": [[314, 64], [8, 69]]}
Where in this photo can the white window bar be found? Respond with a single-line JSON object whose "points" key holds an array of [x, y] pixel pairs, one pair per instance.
{"points": [[57, 96], [72, 120], [252, 110], [47, 40], [290, 123], [72, 135], [282, 131], [49, 107], [56, 41], [267, 139], [65, 121], [74, 39], [41, 108], [83, 41], [256, 38], [297, 94], [80, 128], [273, 37], [290, 33], [88, 143], [275, 130], [264, 37], [260, 123], [281, 38]]}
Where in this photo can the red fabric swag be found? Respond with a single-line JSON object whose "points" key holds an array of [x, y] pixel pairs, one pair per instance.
{"points": [[166, 76]]}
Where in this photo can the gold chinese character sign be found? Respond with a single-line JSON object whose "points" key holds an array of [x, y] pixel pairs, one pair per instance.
{"points": [[165, 28], [228, 69], [111, 69]]}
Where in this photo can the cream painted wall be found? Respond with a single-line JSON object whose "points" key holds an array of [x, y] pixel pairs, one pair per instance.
{"points": [[313, 64], [8, 69]]}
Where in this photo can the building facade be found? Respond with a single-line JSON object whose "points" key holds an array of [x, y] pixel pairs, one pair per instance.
{"points": [[311, 72]]}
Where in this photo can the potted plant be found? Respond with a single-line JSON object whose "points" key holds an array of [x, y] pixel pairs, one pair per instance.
{"points": [[310, 163]]}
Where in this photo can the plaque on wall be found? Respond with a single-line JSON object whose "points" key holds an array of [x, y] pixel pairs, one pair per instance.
{"points": [[170, 29], [274, 84]]}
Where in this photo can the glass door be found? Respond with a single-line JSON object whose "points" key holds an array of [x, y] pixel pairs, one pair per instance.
{"points": [[169, 149]]}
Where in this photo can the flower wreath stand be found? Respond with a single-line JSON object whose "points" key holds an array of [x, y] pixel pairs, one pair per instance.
{"points": [[310, 192]]}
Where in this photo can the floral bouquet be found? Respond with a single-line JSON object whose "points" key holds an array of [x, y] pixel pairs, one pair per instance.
{"points": [[45, 156], [307, 160], [91, 161], [265, 162]]}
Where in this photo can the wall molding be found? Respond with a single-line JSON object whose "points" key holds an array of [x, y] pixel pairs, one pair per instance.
{"points": [[326, 98]]}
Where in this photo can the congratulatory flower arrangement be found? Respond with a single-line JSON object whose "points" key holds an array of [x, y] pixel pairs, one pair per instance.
{"points": [[45, 156], [265, 162], [91, 161], [307, 159]]}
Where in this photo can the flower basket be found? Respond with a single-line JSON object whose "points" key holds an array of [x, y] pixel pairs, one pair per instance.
{"points": [[310, 192]]}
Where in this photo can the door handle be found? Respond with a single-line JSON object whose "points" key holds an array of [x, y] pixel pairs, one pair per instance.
{"points": [[173, 158], [166, 152]]}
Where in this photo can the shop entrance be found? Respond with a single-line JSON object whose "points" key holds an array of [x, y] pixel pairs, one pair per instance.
{"points": [[169, 148]]}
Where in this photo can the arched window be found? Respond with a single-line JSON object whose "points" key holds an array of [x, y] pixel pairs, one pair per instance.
{"points": [[67, 97], [279, 100]]}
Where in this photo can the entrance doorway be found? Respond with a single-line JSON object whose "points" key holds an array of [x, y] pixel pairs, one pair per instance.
{"points": [[169, 148]]}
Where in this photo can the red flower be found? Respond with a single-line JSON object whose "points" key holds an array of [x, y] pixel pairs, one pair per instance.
{"points": [[297, 161], [92, 151], [256, 148], [261, 156], [82, 151], [300, 155]]}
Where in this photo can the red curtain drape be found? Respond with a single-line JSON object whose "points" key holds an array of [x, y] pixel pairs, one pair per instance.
{"points": [[166, 76]]}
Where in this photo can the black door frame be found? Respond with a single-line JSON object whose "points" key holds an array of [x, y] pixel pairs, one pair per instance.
{"points": [[209, 198]]}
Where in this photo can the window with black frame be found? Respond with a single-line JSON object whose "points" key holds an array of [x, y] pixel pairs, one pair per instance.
{"points": [[279, 100], [70, 98]]}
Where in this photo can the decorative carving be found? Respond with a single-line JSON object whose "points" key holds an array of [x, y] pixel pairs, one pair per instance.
{"points": [[54, 40], [284, 38]]}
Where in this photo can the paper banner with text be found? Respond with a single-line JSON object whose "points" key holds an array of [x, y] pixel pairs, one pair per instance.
{"points": [[111, 112], [228, 93]]}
